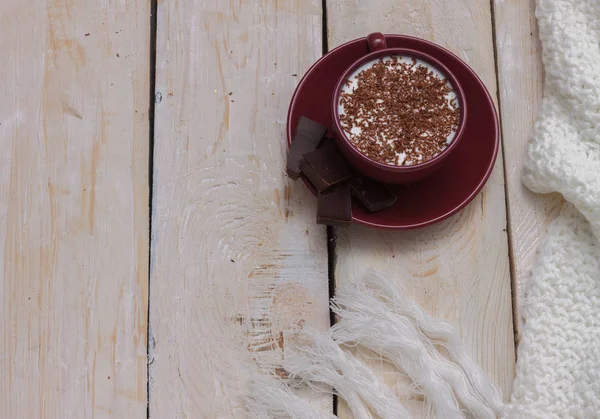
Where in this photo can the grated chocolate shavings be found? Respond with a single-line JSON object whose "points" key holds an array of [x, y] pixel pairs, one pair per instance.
{"points": [[399, 112]]}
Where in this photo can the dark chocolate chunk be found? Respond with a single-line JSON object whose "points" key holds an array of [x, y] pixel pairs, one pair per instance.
{"points": [[306, 139], [325, 168], [334, 207], [374, 195], [327, 142]]}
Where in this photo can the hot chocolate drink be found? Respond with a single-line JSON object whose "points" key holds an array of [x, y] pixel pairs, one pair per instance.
{"points": [[399, 110]]}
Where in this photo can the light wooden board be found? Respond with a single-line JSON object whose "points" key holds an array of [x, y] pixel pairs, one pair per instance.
{"points": [[520, 76], [237, 258], [458, 270], [73, 208]]}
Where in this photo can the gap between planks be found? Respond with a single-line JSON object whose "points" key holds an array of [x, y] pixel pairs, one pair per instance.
{"points": [[511, 264], [151, 114]]}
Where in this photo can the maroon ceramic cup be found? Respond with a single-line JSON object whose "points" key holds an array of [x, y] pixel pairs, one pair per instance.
{"points": [[386, 172]]}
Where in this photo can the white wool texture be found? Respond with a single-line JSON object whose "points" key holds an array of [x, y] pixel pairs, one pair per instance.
{"points": [[564, 153], [321, 360], [558, 364], [379, 322], [269, 397]]}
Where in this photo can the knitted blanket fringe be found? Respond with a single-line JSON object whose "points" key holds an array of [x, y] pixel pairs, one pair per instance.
{"points": [[377, 316]]}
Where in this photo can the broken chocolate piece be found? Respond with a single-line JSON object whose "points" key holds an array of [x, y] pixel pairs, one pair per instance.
{"points": [[325, 168], [374, 195], [306, 139], [334, 207], [327, 142]]}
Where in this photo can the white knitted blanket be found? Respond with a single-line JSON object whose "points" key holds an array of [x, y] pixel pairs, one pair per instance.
{"points": [[558, 368]]}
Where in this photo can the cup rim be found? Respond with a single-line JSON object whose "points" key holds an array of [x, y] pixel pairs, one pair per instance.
{"points": [[420, 55]]}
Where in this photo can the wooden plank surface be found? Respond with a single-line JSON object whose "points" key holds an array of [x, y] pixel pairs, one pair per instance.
{"points": [[237, 258], [459, 269], [521, 80], [73, 208]]}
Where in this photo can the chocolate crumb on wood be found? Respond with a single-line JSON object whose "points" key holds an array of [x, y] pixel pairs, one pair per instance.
{"points": [[334, 207], [324, 168], [306, 139]]}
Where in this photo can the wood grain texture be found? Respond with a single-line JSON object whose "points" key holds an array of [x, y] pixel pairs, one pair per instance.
{"points": [[521, 78], [459, 269], [237, 258], [73, 208]]}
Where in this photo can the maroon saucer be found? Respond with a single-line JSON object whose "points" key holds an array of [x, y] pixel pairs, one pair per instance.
{"points": [[466, 170]]}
